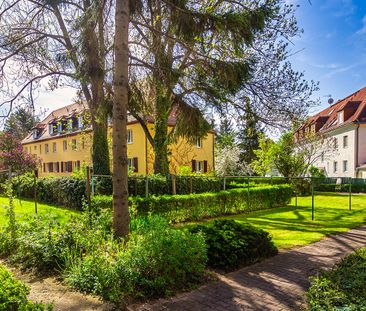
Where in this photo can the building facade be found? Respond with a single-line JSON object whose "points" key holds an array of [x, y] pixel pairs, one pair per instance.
{"points": [[343, 126], [63, 141]]}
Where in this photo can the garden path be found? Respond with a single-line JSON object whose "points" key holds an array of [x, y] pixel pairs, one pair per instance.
{"points": [[278, 283], [49, 290]]}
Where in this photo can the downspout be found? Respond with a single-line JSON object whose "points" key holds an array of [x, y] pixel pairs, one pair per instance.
{"points": [[356, 147]]}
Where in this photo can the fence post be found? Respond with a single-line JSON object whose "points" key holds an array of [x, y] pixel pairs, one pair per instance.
{"points": [[174, 184], [248, 195], [35, 192], [88, 186], [190, 185], [312, 199], [350, 195], [92, 185]]}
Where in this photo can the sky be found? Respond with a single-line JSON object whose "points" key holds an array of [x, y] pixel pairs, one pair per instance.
{"points": [[332, 50]]}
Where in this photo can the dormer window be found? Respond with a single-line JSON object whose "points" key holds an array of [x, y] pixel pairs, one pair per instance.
{"points": [[69, 125], [80, 122], [50, 128], [35, 133], [340, 117]]}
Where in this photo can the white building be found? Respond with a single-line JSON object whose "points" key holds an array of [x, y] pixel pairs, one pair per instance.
{"points": [[343, 124]]}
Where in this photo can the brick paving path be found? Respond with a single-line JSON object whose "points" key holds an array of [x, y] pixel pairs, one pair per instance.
{"points": [[278, 283]]}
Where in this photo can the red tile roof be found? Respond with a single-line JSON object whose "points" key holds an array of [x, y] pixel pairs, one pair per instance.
{"points": [[355, 103]]}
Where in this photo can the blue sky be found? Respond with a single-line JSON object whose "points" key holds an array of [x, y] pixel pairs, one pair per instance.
{"points": [[332, 48]]}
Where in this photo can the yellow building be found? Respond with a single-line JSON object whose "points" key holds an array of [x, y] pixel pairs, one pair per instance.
{"points": [[63, 144]]}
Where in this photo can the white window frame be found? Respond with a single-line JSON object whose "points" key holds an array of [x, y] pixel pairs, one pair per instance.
{"points": [[340, 117], [198, 142], [54, 147], [199, 166], [130, 163], [345, 141], [50, 128], [46, 148], [129, 136], [64, 145], [80, 122], [345, 166], [74, 144], [335, 166]]}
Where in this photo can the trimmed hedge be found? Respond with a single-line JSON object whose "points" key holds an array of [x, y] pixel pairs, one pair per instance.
{"points": [[64, 191], [13, 294], [159, 185], [180, 208]]}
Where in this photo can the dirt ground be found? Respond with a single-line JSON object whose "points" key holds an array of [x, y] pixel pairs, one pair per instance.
{"points": [[50, 290]]}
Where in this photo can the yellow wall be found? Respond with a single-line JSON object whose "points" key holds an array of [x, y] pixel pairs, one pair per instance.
{"points": [[182, 153]]}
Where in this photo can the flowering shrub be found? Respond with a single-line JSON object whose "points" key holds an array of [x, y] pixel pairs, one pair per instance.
{"points": [[13, 155]]}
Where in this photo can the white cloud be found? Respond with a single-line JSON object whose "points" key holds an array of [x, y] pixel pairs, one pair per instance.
{"points": [[363, 29]]}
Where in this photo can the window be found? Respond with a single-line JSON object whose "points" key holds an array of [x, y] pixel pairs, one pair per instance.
{"points": [[54, 147], [199, 142], [345, 141], [336, 143], [56, 166], [50, 128], [83, 142], [40, 149], [133, 164], [35, 148], [198, 166], [50, 167], [129, 136], [345, 166], [64, 144], [26, 149], [340, 117], [80, 122], [73, 144], [46, 148], [322, 156], [335, 166]]}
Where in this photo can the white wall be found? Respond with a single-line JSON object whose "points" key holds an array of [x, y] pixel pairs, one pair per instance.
{"points": [[342, 154]]}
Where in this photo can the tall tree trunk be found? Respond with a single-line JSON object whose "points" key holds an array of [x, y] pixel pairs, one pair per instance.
{"points": [[162, 109], [121, 218]]}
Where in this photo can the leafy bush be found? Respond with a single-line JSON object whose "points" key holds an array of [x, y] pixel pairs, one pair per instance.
{"points": [[343, 287], [157, 260], [178, 208], [13, 294], [232, 244]]}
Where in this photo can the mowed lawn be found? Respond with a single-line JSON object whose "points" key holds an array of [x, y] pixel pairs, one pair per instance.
{"points": [[292, 226], [25, 208]]}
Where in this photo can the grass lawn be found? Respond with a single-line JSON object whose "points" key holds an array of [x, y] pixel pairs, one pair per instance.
{"points": [[25, 208], [292, 226]]}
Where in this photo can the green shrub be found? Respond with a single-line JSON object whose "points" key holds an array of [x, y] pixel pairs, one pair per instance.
{"points": [[232, 244], [178, 208], [13, 294], [157, 260], [343, 287], [162, 260]]}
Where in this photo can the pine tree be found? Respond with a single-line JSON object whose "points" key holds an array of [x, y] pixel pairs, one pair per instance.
{"points": [[249, 134], [192, 54]]}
